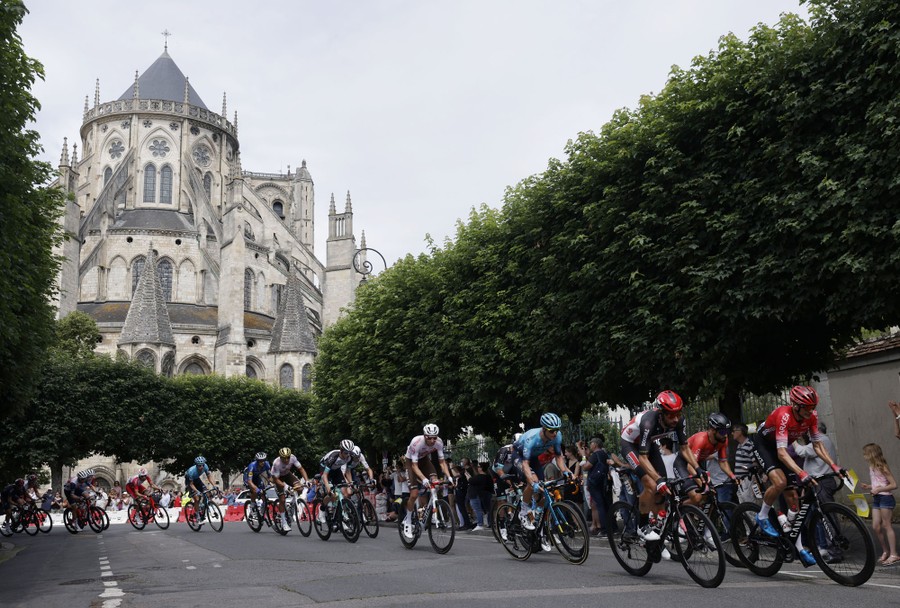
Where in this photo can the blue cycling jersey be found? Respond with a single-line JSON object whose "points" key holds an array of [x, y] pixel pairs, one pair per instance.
{"points": [[530, 444], [195, 472], [256, 470]]}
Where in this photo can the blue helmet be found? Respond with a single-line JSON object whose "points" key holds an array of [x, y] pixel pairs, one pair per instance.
{"points": [[199, 460], [551, 421]]}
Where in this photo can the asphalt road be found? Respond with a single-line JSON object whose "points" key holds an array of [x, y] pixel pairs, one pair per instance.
{"points": [[125, 568]]}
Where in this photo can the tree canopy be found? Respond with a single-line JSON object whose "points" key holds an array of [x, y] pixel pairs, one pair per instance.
{"points": [[733, 233]]}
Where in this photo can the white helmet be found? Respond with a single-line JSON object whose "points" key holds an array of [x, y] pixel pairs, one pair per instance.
{"points": [[431, 430], [356, 451], [142, 472], [347, 445], [516, 437]]}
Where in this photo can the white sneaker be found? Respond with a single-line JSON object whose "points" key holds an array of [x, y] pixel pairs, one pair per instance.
{"points": [[285, 524], [546, 546], [477, 528], [648, 534], [665, 554], [707, 537], [526, 521], [322, 517], [503, 534]]}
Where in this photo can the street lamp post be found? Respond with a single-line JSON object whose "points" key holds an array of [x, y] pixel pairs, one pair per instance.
{"points": [[362, 265]]}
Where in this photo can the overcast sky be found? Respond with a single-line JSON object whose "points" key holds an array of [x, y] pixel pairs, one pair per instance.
{"points": [[420, 109]]}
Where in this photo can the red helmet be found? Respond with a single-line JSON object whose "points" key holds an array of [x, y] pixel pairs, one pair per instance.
{"points": [[804, 396], [669, 401]]}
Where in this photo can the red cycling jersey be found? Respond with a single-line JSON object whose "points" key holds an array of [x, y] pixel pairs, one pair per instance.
{"points": [[703, 448], [135, 486], [783, 428]]}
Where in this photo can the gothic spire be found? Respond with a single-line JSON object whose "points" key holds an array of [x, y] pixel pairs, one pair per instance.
{"points": [[136, 93], [97, 93], [64, 157], [331, 208], [224, 106], [147, 320], [74, 155], [187, 90], [235, 122], [291, 332], [348, 208], [85, 104], [362, 240]]}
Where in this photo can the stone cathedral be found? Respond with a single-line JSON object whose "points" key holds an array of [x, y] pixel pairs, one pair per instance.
{"points": [[188, 263]]}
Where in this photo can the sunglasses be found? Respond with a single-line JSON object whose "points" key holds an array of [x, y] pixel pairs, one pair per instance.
{"points": [[554, 431]]}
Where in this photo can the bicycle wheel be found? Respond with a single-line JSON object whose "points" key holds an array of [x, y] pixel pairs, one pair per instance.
{"points": [[275, 518], [568, 532], [304, 518], [441, 530], [849, 555], [323, 528], [30, 522], [409, 541], [161, 517], [349, 521], [95, 519], [698, 546], [214, 517], [369, 518], [721, 517], [509, 532], [627, 547], [135, 518], [760, 554], [252, 515], [69, 521], [190, 516], [46, 522]]}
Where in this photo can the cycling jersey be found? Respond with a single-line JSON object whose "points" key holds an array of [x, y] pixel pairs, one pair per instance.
{"points": [[355, 462], [782, 428], [255, 471], [503, 461], [530, 445], [703, 448], [12, 492], [281, 467], [195, 472], [418, 448], [647, 427], [333, 460], [135, 485]]}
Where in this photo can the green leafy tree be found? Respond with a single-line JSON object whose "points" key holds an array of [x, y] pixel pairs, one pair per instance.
{"points": [[28, 222]]}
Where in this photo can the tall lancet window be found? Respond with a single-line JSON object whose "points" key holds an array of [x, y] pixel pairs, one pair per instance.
{"points": [[287, 376], [164, 272], [248, 289], [137, 267], [150, 184], [107, 173], [165, 185]]}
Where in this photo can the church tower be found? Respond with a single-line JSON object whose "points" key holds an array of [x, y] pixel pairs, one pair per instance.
{"points": [[70, 248], [341, 278]]}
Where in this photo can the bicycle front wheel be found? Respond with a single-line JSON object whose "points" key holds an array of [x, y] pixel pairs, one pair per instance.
{"points": [[441, 530], [348, 520], [214, 517], [69, 521], [46, 522], [369, 518], [304, 518], [30, 522], [699, 547], [759, 553], [190, 516], [135, 518], [321, 523], [848, 554], [568, 532], [721, 517], [95, 519], [622, 526]]}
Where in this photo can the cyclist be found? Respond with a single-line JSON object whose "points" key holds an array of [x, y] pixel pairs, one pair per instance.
{"points": [[528, 451], [12, 494], [135, 486], [333, 469], [194, 484], [705, 445], [358, 461], [255, 474], [282, 473], [503, 461], [782, 427], [420, 469], [641, 450], [75, 488]]}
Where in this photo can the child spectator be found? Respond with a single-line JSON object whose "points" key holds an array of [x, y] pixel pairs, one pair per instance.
{"points": [[883, 502]]}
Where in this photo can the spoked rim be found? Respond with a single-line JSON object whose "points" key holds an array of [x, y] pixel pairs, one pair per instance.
{"points": [[252, 516], [349, 521], [569, 533], [760, 554], [190, 516], [847, 539], [304, 518], [95, 519], [441, 530], [323, 529], [510, 533], [214, 517], [409, 542], [69, 521], [161, 517], [46, 521], [369, 518], [134, 518], [622, 525], [699, 547]]}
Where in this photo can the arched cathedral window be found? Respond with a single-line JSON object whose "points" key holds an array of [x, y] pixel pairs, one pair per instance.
{"points": [[306, 377], [107, 173], [137, 267], [165, 185], [251, 371], [248, 289], [287, 376], [278, 208], [150, 184], [194, 369], [207, 185], [164, 272], [276, 296]]}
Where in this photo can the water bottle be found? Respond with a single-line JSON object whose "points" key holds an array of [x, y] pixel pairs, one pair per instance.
{"points": [[783, 522]]}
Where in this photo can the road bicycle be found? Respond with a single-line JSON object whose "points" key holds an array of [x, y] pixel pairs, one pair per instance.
{"points": [[85, 514], [340, 514], [301, 510], [146, 509], [264, 509], [365, 511], [435, 517], [721, 513], [844, 549], [201, 506], [683, 528], [33, 519], [558, 522]]}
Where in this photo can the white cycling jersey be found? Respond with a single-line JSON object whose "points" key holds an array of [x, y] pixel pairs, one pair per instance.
{"points": [[418, 448], [280, 467]]}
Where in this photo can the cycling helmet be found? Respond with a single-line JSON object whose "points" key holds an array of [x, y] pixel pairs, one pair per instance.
{"points": [[347, 445], [356, 451], [669, 401], [261, 455], [31, 477], [142, 473], [431, 430], [516, 437], [20, 482], [720, 422], [85, 474], [804, 396], [551, 421], [284, 453], [199, 460]]}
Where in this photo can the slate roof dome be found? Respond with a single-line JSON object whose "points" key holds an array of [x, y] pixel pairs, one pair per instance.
{"points": [[164, 80]]}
